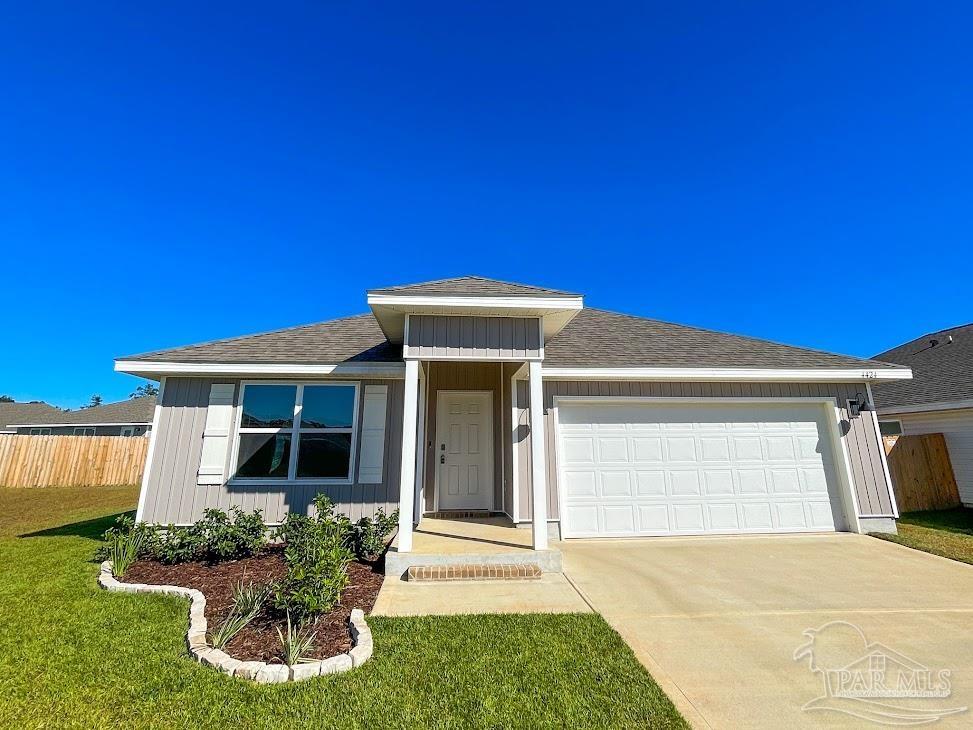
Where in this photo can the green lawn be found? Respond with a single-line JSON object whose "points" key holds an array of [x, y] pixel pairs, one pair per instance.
{"points": [[948, 533], [72, 655]]}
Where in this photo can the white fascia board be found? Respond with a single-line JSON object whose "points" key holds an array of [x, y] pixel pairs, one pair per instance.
{"points": [[725, 374], [956, 405], [389, 370], [477, 302]]}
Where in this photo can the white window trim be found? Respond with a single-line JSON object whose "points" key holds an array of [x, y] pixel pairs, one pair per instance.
{"points": [[123, 429], [84, 431], [295, 432], [45, 431]]}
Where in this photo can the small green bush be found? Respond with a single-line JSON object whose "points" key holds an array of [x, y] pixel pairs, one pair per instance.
{"points": [[225, 537], [317, 552], [371, 534], [215, 538]]}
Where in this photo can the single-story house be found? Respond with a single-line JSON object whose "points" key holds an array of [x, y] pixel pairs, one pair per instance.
{"points": [[470, 396], [938, 400], [11, 413], [132, 417]]}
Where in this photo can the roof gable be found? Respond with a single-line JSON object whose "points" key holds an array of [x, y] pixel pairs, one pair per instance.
{"points": [[471, 286], [942, 373]]}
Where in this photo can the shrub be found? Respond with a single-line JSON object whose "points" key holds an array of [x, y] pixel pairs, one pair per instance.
{"points": [[297, 643], [317, 552], [371, 534], [175, 545], [225, 537]]}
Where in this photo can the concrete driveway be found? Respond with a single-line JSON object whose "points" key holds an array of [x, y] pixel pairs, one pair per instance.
{"points": [[717, 622]]}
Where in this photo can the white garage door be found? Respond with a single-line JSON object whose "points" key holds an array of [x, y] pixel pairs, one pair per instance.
{"points": [[659, 469]]}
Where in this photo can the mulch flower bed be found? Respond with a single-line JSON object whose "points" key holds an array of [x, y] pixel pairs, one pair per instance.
{"points": [[259, 640]]}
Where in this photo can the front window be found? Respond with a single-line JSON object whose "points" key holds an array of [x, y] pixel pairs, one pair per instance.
{"points": [[291, 432], [84, 431], [40, 432]]}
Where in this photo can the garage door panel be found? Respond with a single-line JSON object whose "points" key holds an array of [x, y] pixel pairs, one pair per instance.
{"points": [[723, 517], [618, 520], [616, 484], [580, 484], [683, 483], [747, 448], [681, 448], [654, 518], [578, 450], [720, 469], [647, 450], [651, 483], [688, 517], [718, 482]]}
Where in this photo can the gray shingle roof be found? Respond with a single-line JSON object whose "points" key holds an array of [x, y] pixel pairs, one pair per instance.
{"points": [[133, 410], [472, 286], [23, 412], [597, 338], [941, 372], [594, 338], [355, 339]]}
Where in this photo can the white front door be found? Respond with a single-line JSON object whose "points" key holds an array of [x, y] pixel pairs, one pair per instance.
{"points": [[464, 450]]}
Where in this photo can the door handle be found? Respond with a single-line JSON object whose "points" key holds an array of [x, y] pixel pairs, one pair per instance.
{"points": [[442, 458]]}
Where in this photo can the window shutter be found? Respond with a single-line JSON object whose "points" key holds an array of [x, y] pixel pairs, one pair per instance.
{"points": [[373, 434], [216, 434]]}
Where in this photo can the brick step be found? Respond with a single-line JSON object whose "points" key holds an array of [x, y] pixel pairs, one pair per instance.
{"points": [[501, 571]]}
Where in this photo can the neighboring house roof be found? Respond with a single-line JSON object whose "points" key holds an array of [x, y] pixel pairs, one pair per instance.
{"points": [[593, 339], [133, 410], [12, 413], [942, 372], [471, 286]]}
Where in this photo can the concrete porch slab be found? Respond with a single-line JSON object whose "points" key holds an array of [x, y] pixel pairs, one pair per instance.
{"points": [[551, 593], [477, 541]]}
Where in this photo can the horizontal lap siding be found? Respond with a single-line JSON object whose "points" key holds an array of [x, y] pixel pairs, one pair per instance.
{"points": [[477, 338], [173, 495], [861, 439]]}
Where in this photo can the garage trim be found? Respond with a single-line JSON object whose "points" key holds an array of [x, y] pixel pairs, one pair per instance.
{"points": [[830, 405]]}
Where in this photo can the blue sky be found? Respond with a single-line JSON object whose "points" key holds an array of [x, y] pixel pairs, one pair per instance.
{"points": [[187, 171]]}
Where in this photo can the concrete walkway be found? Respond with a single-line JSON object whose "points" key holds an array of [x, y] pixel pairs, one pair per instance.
{"points": [[717, 621], [551, 593]]}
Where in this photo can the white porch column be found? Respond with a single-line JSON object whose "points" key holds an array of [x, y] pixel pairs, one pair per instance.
{"points": [[407, 476], [538, 476]]}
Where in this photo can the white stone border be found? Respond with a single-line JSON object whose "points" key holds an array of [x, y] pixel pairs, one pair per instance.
{"points": [[261, 672]]}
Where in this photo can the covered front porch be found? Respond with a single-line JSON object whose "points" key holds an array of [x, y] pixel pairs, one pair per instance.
{"points": [[465, 495]]}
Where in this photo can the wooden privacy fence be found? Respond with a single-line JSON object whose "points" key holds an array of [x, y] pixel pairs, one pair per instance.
{"points": [[922, 474], [71, 461]]}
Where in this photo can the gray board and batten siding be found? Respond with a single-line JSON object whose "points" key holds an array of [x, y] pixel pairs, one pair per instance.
{"points": [[862, 442], [173, 495], [477, 338]]}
